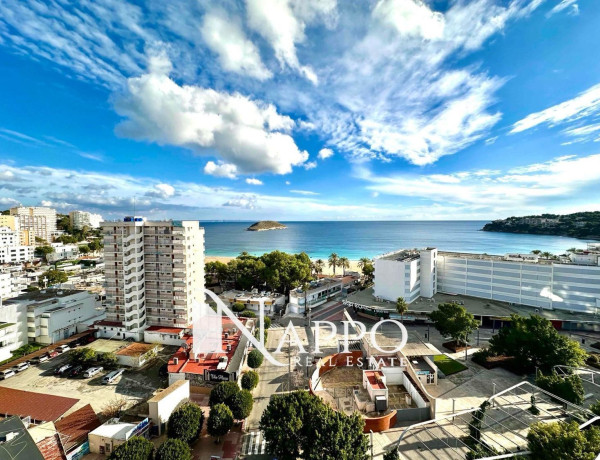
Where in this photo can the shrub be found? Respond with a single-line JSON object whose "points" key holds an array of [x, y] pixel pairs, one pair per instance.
{"points": [[238, 307], [267, 323], [595, 408], [569, 388], [480, 357], [220, 421], [391, 455], [223, 393], [173, 449], [250, 380], [255, 359], [135, 448], [247, 314], [241, 404], [108, 360], [185, 423], [82, 356]]}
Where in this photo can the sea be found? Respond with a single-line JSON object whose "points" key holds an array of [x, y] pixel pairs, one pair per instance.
{"points": [[368, 239]]}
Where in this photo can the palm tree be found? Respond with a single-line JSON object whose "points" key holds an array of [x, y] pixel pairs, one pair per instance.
{"points": [[333, 261], [344, 263], [401, 307], [572, 250], [536, 252], [363, 262], [546, 255], [319, 264], [305, 286]]}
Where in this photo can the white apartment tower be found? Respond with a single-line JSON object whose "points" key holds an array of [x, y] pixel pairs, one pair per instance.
{"points": [[80, 219], [154, 271], [39, 221]]}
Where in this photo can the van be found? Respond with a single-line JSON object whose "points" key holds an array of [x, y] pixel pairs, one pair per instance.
{"points": [[92, 371], [39, 359], [6, 374], [21, 366], [63, 348], [110, 378]]}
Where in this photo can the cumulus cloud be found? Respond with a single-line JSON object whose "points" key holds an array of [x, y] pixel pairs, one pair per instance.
{"points": [[247, 133], [221, 169], [325, 153], [410, 17], [161, 191], [310, 165], [224, 35], [253, 181], [242, 201]]}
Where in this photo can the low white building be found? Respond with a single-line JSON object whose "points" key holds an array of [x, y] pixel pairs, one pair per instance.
{"points": [[49, 315], [63, 251], [79, 219], [8, 340], [16, 254], [317, 294], [272, 301], [162, 405], [113, 433], [136, 354]]}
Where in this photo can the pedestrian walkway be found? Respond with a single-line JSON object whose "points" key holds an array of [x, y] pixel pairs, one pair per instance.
{"points": [[253, 443]]}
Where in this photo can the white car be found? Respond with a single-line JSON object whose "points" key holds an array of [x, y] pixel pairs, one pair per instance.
{"points": [[6, 374], [21, 367], [63, 348], [110, 378], [92, 371]]}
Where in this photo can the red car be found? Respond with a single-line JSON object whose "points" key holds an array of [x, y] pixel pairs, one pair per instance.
{"points": [[52, 354]]}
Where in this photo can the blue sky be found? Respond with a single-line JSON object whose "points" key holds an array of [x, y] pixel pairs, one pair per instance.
{"points": [[301, 109]]}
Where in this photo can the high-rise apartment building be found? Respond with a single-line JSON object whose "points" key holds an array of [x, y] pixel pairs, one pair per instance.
{"points": [[40, 221], [80, 219], [154, 271]]}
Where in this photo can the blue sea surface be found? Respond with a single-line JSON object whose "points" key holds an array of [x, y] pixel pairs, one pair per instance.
{"points": [[368, 239]]}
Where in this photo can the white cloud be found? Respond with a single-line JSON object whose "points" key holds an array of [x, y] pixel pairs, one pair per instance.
{"points": [[162, 190], [224, 35], [287, 182], [253, 181], [325, 153], [304, 192], [410, 18], [282, 24], [310, 165], [247, 133], [221, 169], [91, 156], [564, 4], [583, 105], [242, 201]]}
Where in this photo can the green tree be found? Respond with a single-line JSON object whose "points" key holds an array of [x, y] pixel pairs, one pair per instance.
{"points": [[250, 380], [595, 408], [560, 440], [344, 263], [247, 314], [363, 262], [107, 359], [238, 307], [569, 388], [173, 449], [83, 356], [185, 423], [255, 359], [220, 421], [536, 343], [318, 266], [84, 249], [223, 393], [453, 320], [368, 272], [95, 245], [401, 307], [216, 271], [333, 261], [136, 448], [267, 322], [284, 272], [53, 276], [300, 425], [391, 455], [43, 251], [241, 404]]}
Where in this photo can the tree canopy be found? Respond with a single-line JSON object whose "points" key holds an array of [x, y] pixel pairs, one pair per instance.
{"points": [[249, 380], [53, 276], [223, 392], [173, 449], [241, 404], [220, 421], [453, 320], [185, 423], [255, 359], [136, 448], [300, 425], [570, 388], [560, 440], [536, 343]]}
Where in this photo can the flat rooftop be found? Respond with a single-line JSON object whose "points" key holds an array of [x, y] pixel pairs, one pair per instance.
{"points": [[137, 349], [44, 294], [402, 255]]}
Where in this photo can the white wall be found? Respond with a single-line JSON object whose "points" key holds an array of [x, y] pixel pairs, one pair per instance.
{"points": [[160, 411]]}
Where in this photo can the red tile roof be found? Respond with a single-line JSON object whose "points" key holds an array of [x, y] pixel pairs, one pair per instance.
{"points": [[38, 406], [372, 377], [50, 448], [74, 428], [165, 330], [208, 361]]}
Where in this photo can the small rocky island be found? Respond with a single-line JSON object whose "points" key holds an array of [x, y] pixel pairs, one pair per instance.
{"points": [[578, 225], [265, 225]]}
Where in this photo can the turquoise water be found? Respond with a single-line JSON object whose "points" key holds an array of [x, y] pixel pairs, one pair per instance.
{"points": [[367, 239]]}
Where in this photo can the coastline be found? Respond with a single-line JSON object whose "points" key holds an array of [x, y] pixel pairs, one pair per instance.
{"points": [[326, 269]]}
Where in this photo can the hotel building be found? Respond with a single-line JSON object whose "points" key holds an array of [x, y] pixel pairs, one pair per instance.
{"points": [[154, 271], [570, 283], [80, 219], [39, 221], [317, 294]]}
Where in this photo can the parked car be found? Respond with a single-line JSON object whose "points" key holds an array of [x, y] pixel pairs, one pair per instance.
{"points": [[62, 369], [63, 348], [111, 377], [92, 371], [21, 366], [75, 371], [6, 374], [52, 354], [39, 359]]}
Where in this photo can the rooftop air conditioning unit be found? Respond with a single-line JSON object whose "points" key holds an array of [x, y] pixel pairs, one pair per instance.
{"points": [[175, 360], [234, 330], [228, 347], [227, 335]]}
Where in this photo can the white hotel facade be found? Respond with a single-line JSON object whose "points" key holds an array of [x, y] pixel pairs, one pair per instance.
{"points": [[571, 283]]}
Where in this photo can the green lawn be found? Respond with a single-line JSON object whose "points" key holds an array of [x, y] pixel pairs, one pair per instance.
{"points": [[448, 365]]}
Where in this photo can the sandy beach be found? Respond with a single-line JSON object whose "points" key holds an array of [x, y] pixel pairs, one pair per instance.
{"points": [[326, 269]]}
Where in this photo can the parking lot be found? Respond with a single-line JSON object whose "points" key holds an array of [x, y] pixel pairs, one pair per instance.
{"points": [[135, 385]]}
